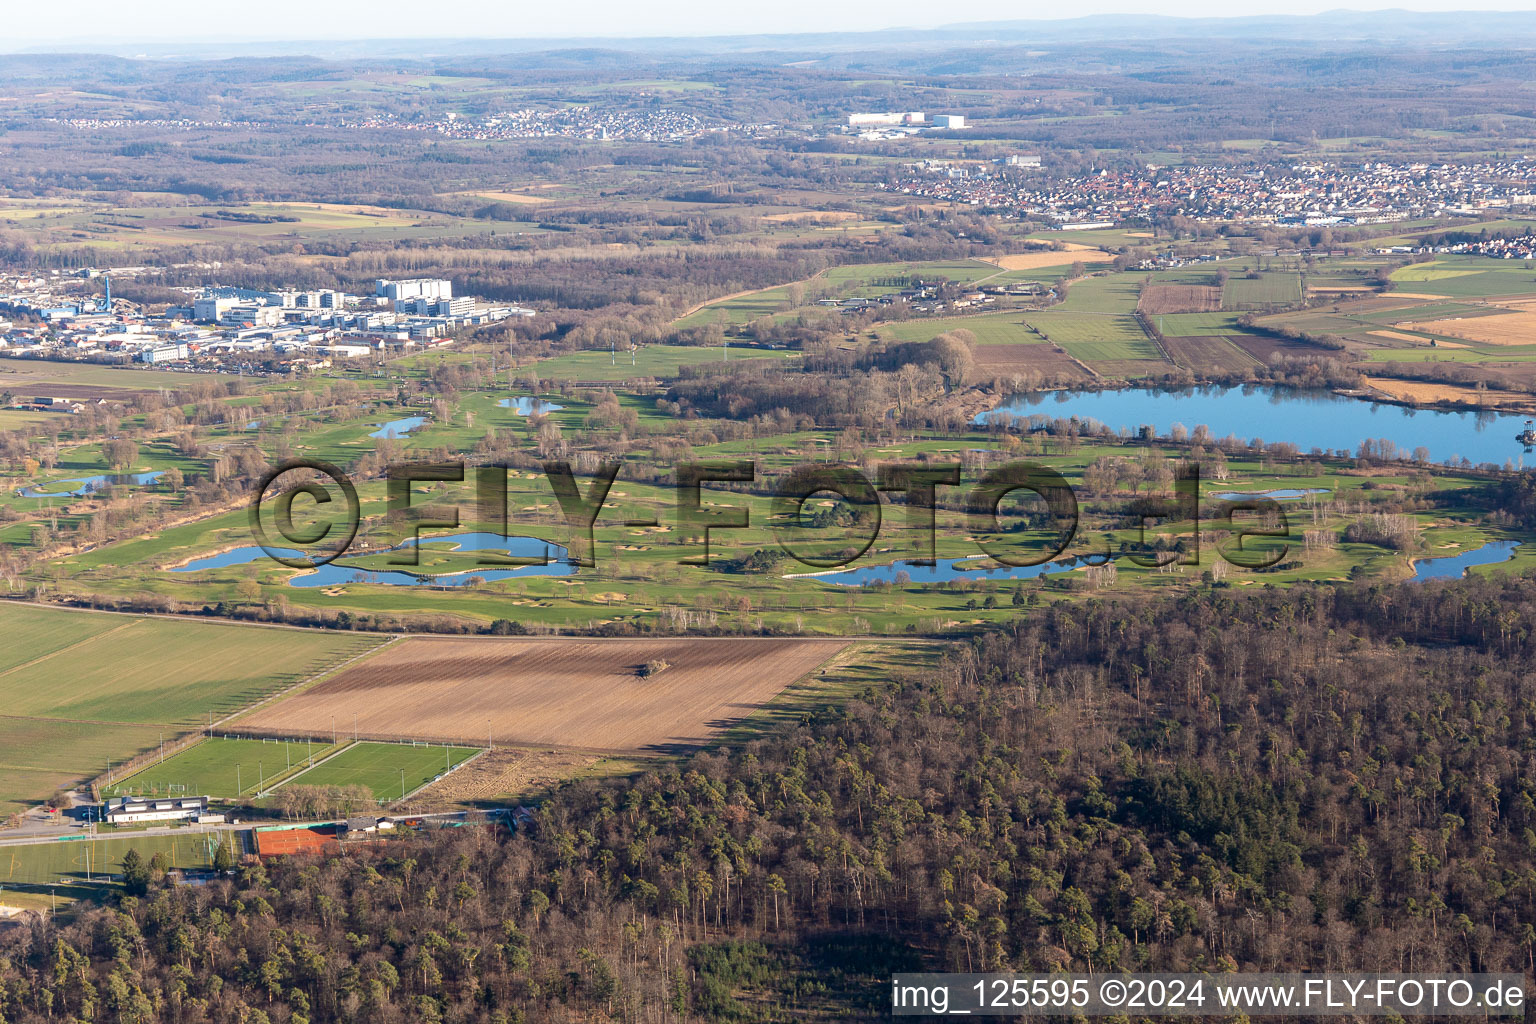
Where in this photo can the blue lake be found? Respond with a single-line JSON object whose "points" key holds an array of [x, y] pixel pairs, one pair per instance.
{"points": [[400, 427], [529, 406], [234, 556], [944, 570], [1279, 494], [556, 562], [88, 484], [1454, 566], [1307, 419]]}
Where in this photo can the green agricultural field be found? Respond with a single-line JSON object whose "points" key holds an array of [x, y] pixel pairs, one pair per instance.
{"points": [[163, 671], [39, 756], [80, 689], [378, 766], [1428, 311], [1482, 284], [1191, 325], [1079, 328], [1270, 288], [66, 864], [1104, 293], [221, 767], [1419, 273], [32, 633]]}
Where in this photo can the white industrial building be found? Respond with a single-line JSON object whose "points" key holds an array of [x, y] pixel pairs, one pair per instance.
{"points": [[127, 809], [211, 307], [949, 120], [415, 288], [163, 353], [886, 118]]}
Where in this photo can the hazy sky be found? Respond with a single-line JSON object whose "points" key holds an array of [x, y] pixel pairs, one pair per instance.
{"points": [[173, 20]]}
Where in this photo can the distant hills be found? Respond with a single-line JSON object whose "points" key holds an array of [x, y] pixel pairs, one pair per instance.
{"points": [[1334, 29]]}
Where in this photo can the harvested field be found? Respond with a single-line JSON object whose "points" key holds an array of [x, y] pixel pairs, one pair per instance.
{"points": [[812, 217], [1400, 336], [1429, 392], [511, 197], [1072, 253], [1179, 298], [1498, 329], [1208, 353], [583, 694]]}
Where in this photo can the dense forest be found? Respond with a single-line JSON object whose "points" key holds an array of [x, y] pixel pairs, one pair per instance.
{"points": [[1325, 777]]}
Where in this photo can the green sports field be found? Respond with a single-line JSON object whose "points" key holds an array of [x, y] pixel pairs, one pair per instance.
{"points": [[379, 765], [221, 767], [65, 864]]}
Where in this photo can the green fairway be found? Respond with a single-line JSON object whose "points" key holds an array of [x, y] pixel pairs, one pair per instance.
{"points": [[221, 767], [379, 767], [67, 864], [649, 361]]}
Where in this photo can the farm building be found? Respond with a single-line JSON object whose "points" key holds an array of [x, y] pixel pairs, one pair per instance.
{"points": [[127, 809]]}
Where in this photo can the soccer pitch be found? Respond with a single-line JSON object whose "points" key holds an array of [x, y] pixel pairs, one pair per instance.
{"points": [[221, 767], [389, 770]]}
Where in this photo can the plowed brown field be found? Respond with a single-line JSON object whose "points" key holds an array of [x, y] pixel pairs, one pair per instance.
{"points": [[560, 692], [1179, 298]]}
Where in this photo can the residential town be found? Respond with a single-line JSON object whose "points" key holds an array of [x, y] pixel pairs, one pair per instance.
{"points": [[1310, 194]]}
